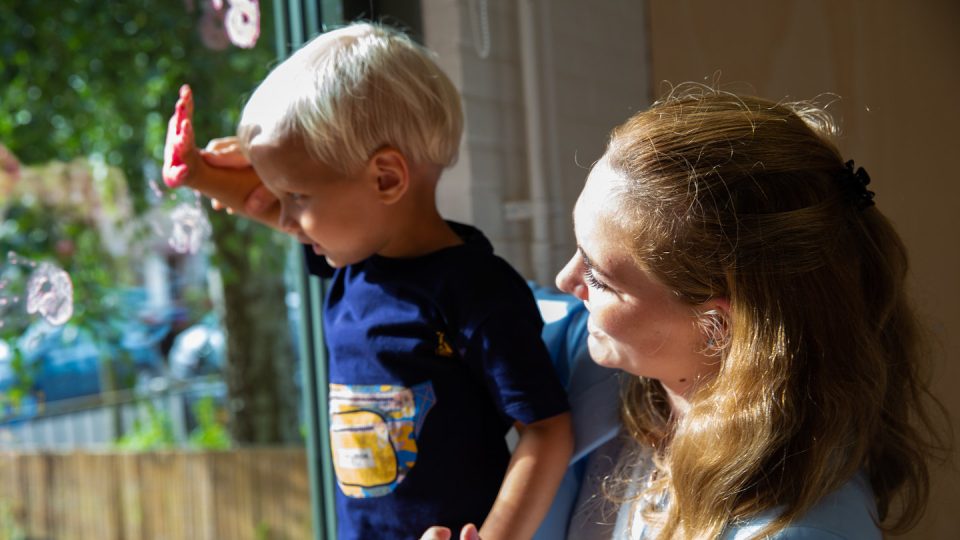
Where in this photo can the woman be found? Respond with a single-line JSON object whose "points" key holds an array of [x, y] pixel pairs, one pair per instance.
{"points": [[739, 272]]}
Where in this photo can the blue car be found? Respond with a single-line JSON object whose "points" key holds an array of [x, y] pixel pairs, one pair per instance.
{"points": [[65, 362]]}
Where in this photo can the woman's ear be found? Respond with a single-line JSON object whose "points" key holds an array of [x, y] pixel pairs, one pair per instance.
{"points": [[389, 169], [714, 323], [719, 304]]}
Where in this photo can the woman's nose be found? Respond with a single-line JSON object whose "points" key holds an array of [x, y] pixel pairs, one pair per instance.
{"points": [[570, 281]]}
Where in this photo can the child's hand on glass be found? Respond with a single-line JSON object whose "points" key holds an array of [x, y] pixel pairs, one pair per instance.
{"points": [[180, 151], [220, 171]]}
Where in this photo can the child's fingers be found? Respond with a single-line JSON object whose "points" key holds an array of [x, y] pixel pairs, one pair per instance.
{"points": [[223, 144], [172, 125], [230, 160], [179, 143], [180, 114], [186, 136], [186, 96], [469, 532], [436, 533], [225, 152], [173, 168], [218, 206], [259, 200], [173, 175]]}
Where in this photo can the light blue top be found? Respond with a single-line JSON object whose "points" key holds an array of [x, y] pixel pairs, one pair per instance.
{"points": [[847, 513], [580, 512]]}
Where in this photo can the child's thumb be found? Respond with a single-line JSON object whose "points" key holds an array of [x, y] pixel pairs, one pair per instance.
{"points": [[436, 533], [469, 532]]}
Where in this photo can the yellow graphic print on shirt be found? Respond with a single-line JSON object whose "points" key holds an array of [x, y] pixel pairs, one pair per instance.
{"points": [[373, 434], [443, 348]]}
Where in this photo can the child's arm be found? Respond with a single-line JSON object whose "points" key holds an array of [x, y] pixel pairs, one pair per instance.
{"points": [[533, 476], [231, 185]]}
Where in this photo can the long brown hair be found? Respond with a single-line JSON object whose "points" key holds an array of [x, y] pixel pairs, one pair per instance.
{"points": [[741, 198]]}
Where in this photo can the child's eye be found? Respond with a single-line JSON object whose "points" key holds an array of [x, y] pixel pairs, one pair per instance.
{"points": [[297, 197], [592, 280]]}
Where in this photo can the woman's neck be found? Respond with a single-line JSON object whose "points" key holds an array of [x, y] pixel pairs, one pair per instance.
{"points": [[678, 402]]}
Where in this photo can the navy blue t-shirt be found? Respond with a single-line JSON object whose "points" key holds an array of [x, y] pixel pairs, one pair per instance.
{"points": [[432, 359]]}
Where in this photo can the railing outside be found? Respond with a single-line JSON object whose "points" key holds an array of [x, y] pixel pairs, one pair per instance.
{"points": [[98, 421]]}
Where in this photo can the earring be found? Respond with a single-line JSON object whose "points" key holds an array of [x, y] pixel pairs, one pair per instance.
{"points": [[713, 326]]}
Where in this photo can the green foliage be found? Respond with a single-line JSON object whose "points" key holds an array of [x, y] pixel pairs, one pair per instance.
{"points": [[25, 374], [262, 531], [10, 529], [151, 433], [155, 431], [94, 79], [87, 77], [100, 79], [64, 213], [210, 433]]}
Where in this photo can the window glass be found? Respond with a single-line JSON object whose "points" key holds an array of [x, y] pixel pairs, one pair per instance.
{"points": [[131, 314]]}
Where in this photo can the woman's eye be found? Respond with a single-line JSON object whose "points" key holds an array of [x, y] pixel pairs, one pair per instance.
{"points": [[297, 197], [592, 280]]}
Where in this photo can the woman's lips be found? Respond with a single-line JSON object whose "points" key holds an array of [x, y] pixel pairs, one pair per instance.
{"points": [[592, 330]]}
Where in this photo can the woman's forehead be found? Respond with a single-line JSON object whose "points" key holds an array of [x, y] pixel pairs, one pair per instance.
{"points": [[595, 215], [596, 203]]}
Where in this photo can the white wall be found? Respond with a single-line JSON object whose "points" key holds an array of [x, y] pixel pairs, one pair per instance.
{"points": [[587, 71]]}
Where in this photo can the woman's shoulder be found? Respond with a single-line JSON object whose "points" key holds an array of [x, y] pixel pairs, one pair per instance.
{"points": [[846, 514]]}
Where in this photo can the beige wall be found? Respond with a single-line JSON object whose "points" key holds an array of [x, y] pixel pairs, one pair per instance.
{"points": [[895, 66]]}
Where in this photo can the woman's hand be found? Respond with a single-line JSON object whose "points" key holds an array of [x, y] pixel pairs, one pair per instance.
{"points": [[469, 532]]}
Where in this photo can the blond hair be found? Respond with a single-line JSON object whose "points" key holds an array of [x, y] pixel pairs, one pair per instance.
{"points": [[728, 196], [350, 92]]}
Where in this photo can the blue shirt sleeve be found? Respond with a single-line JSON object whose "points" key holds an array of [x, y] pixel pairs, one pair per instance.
{"points": [[516, 367]]}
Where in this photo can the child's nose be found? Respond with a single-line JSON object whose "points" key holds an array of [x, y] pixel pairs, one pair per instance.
{"points": [[288, 223]]}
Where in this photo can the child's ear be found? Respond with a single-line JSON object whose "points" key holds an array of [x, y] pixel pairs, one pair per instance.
{"points": [[391, 172]]}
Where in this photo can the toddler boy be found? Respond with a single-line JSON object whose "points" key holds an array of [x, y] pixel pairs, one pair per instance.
{"points": [[434, 342]]}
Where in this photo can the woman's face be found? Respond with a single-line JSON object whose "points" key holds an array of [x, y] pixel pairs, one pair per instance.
{"points": [[636, 323]]}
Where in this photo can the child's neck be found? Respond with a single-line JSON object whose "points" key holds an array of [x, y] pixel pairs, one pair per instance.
{"points": [[421, 235], [420, 229]]}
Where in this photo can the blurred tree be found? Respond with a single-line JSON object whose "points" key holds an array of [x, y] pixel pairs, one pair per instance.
{"points": [[99, 79]]}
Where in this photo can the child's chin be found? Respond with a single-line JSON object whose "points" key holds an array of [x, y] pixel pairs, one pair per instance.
{"points": [[332, 260], [335, 261]]}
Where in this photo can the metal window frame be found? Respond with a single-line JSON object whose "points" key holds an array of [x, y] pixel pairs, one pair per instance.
{"points": [[296, 22]]}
